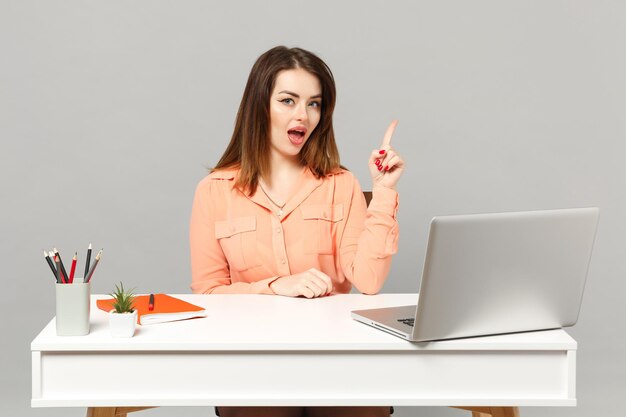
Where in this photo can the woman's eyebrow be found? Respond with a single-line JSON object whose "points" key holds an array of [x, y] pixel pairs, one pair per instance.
{"points": [[296, 95]]}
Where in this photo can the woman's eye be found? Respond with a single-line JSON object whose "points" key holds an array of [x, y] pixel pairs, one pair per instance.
{"points": [[287, 101], [315, 104]]}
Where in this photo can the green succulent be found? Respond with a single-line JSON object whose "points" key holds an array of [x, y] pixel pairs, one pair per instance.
{"points": [[124, 299]]}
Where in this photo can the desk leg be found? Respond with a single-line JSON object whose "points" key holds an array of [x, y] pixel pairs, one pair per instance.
{"points": [[492, 411], [112, 411]]}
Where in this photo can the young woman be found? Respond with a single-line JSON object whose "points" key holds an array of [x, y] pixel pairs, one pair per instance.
{"points": [[279, 214]]}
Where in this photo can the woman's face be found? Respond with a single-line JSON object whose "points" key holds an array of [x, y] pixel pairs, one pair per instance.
{"points": [[295, 109]]}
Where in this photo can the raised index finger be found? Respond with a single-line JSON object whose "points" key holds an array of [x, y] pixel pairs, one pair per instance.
{"points": [[389, 134]]}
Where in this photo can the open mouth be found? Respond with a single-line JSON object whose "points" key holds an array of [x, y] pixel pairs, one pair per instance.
{"points": [[296, 136]]}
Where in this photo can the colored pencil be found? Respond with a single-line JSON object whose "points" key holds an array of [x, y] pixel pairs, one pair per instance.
{"points": [[93, 266], [59, 274], [64, 276], [87, 263], [50, 264], [73, 268]]}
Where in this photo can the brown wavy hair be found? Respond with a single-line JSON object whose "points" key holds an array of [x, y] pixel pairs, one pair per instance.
{"points": [[249, 147]]}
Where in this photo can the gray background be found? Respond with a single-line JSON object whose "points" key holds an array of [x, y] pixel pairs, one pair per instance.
{"points": [[111, 111]]}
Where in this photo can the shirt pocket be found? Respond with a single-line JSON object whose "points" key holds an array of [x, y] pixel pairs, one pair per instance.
{"points": [[237, 237], [320, 224]]}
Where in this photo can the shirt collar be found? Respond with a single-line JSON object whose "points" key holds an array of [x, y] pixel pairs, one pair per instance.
{"points": [[307, 184]]}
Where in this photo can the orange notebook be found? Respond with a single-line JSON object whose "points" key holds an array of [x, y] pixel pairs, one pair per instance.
{"points": [[166, 308]]}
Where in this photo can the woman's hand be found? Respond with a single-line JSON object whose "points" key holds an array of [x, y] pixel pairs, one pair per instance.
{"points": [[386, 166], [309, 284]]}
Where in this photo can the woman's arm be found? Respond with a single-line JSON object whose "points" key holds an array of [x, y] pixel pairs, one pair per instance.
{"points": [[371, 235], [369, 239]]}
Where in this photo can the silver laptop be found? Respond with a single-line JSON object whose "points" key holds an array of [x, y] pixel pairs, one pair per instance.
{"points": [[488, 274]]}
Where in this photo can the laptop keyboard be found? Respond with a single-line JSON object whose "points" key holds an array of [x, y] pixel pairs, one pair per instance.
{"points": [[409, 322]]}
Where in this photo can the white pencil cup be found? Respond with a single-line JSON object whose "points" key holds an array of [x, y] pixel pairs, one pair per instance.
{"points": [[72, 309]]}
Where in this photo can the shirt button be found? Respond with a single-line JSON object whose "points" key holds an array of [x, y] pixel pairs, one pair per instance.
{"points": [[278, 230], [282, 261]]}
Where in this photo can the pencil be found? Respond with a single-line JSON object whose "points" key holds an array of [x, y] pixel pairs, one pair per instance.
{"points": [[65, 277], [87, 263], [59, 277], [73, 268], [58, 271], [93, 267], [50, 264], [151, 302]]}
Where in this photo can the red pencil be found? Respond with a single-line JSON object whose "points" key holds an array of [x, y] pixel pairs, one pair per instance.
{"points": [[73, 269]]}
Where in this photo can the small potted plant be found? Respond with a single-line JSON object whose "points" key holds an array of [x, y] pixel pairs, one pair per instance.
{"points": [[123, 317]]}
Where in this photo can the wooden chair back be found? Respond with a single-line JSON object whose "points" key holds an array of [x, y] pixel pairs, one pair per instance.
{"points": [[368, 197]]}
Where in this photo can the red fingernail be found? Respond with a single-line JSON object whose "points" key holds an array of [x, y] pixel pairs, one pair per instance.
{"points": [[377, 162], [382, 152], [380, 167], [387, 168]]}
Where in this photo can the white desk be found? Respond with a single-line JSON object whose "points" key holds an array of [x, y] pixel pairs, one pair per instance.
{"points": [[266, 350]]}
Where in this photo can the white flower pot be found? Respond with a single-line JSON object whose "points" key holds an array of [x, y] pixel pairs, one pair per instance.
{"points": [[122, 324]]}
